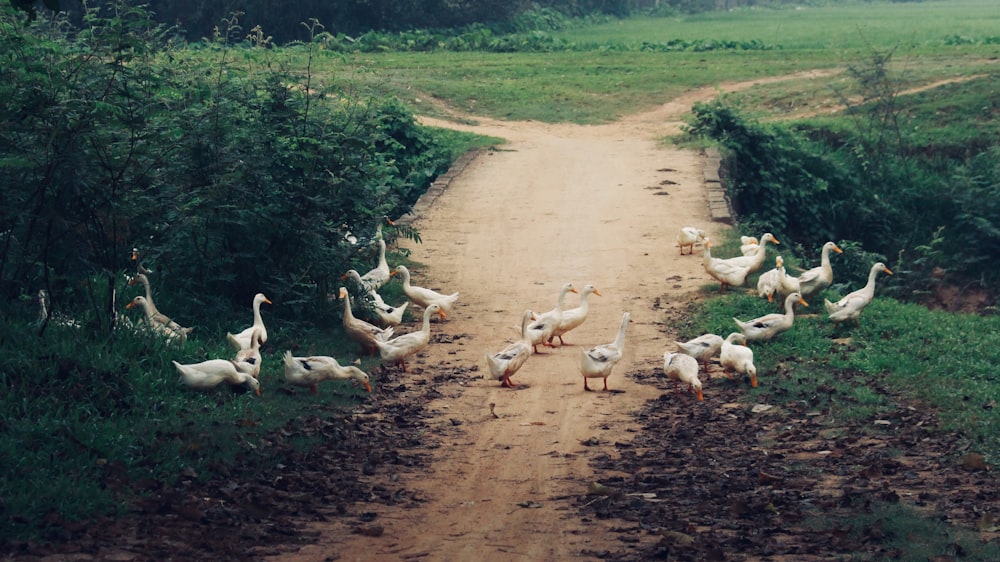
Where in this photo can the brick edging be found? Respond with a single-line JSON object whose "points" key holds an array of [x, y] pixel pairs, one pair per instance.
{"points": [[440, 184], [718, 201]]}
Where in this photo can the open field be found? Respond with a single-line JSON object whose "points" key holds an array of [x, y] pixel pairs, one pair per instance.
{"points": [[602, 84]]}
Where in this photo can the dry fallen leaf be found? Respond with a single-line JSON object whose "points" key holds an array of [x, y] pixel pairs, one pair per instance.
{"points": [[598, 489], [974, 461], [677, 538]]}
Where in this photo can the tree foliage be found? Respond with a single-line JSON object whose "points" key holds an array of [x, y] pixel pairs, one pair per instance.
{"points": [[231, 172]]}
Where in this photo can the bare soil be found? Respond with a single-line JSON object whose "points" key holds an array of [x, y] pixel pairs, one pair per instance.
{"points": [[441, 463]]}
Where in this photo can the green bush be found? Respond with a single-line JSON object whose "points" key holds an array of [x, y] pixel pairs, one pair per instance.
{"points": [[809, 185], [233, 172]]}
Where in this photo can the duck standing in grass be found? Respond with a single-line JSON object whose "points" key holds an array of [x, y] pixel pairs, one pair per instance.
{"points": [[211, 373], [249, 360], [310, 371], [702, 348], [171, 330], [748, 245], [242, 340], [374, 279], [755, 260], [726, 272], [153, 314], [769, 281], [599, 361], [362, 332], [682, 368], [814, 280], [770, 325], [735, 356], [850, 307]]}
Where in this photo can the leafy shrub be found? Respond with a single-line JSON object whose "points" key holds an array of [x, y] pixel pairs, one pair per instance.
{"points": [[811, 186], [232, 172]]}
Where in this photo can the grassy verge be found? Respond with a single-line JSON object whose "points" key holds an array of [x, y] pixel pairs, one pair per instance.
{"points": [[945, 360]]}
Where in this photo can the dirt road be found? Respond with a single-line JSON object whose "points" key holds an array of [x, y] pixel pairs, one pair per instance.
{"points": [[559, 203]]}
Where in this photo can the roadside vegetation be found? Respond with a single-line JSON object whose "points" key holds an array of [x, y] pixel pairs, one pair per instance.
{"points": [[238, 166]]}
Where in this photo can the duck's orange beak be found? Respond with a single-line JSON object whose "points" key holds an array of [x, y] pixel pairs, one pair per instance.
{"points": [[267, 300], [442, 314], [258, 392], [887, 271], [837, 249], [598, 293], [753, 381], [700, 396], [130, 305], [368, 386], [803, 302]]}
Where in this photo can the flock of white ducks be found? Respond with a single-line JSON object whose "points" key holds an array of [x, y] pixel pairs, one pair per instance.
{"points": [[542, 329], [599, 361], [735, 357]]}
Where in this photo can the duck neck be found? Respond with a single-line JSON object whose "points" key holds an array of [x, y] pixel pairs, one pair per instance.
{"points": [[620, 340], [149, 291]]}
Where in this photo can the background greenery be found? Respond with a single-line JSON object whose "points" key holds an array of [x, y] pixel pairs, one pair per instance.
{"points": [[238, 166]]}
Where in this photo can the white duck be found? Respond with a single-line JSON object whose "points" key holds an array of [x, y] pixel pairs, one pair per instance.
{"points": [[737, 357], [153, 314], [249, 360], [787, 284], [814, 280], [682, 368], [508, 361], [748, 245], [422, 296], [543, 326], [725, 272], [242, 340], [374, 279], [701, 348], [166, 330], [770, 280], [362, 332], [598, 361], [756, 259], [397, 349], [770, 325], [310, 371], [211, 373], [574, 317], [689, 236], [850, 307], [387, 314]]}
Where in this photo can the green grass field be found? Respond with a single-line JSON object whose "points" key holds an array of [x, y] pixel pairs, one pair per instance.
{"points": [[595, 83]]}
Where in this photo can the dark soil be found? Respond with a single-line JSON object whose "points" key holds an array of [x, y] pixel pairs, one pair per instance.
{"points": [[723, 480]]}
